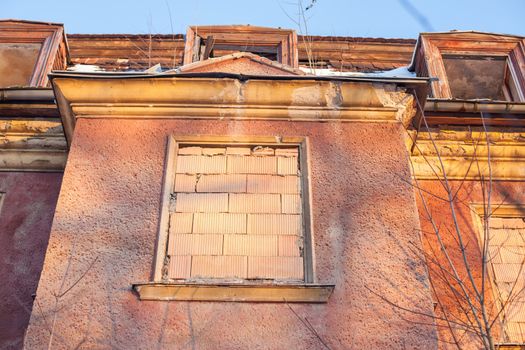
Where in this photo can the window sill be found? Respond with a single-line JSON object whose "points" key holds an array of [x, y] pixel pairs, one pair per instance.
{"points": [[272, 293], [510, 346]]}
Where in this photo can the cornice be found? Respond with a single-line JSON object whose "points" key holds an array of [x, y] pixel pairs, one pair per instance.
{"points": [[229, 98]]}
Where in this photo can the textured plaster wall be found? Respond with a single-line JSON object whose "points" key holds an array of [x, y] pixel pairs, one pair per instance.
{"points": [[503, 192], [364, 216], [25, 222]]}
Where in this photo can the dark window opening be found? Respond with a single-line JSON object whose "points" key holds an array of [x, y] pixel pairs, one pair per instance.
{"points": [[480, 77], [270, 52], [210, 47]]}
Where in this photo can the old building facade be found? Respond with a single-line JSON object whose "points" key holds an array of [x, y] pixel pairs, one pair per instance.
{"points": [[245, 187]]}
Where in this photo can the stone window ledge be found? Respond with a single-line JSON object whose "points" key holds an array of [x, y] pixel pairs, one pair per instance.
{"points": [[235, 292]]}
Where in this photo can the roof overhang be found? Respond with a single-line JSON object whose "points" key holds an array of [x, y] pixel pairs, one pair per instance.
{"points": [[474, 112], [231, 96]]}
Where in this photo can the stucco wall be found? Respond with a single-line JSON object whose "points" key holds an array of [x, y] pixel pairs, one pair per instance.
{"points": [[25, 222], [468, 192], [364, 215]]}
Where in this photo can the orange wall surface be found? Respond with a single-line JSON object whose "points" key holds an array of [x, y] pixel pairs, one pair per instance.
{"points": [[106, 225], [25, 222], [468, 192]]}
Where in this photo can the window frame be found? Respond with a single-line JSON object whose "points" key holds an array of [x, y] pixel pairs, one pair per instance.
{"points": [[53, 54], [284, 40], [202, 140], [434, 46]]}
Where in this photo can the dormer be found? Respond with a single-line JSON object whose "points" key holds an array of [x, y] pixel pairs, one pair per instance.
{"points": [[472, 65], [277, 45], [29, 51]]}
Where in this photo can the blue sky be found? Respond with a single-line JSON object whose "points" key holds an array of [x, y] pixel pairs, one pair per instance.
{"points": [[369, 18]]}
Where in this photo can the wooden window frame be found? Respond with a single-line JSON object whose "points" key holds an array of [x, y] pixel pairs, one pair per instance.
{"points": [[284, 40], [53, 53], [306, 292], [433, 46]]}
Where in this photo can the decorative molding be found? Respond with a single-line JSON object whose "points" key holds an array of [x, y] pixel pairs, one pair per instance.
{"points": [[227, 98], [32, 145], [273, 293], [464, 154]]}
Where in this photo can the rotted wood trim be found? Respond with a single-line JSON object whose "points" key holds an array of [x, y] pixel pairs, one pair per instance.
{"points": [[231, 292]]}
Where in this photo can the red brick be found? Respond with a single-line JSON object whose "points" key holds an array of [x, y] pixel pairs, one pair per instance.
{"points": [[515, 223], [243, 151], [274, 224], [263, 151], [213, 151], [202, 202], [179, 267], [290, 245], [185, 183], [272, 184], [219, 267], [252, 245], [287, 166], [222, 183], [181, 223], [291, 203], [287, 152], [201, 164], [192, 150], [219, 223], [275, 267], [254, 203], [252, 165], [195, 244]]}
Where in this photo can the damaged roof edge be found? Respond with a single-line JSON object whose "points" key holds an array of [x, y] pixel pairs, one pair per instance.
{"points": [[420, 85], [241, 77]]}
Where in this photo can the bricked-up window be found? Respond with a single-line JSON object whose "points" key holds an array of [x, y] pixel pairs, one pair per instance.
{"points": [[507, 257], [236, 213]]}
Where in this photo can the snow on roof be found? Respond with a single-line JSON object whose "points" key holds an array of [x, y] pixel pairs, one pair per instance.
{"points": [[401, 72], [85, 68]]}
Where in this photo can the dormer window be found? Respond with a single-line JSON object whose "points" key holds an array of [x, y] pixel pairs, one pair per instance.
{"points": [[279, 45], [472, 66], [29, 51]]}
